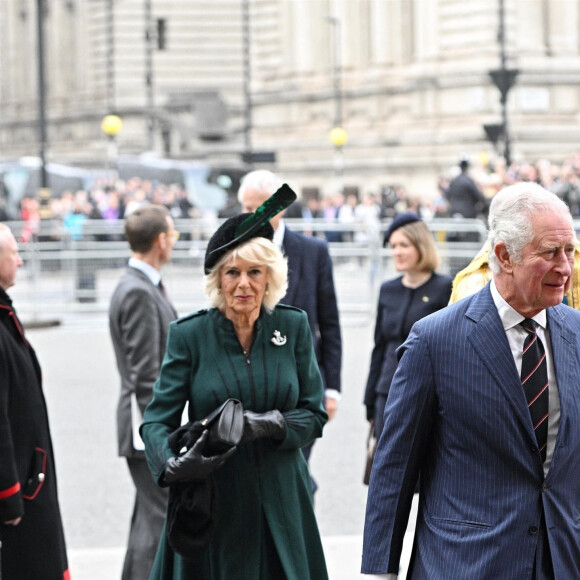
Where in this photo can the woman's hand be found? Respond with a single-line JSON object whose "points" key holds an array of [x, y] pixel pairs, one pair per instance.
{"points": [[14, 522], [193, 465]]}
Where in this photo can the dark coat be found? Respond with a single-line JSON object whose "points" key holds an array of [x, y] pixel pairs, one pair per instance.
{"points": [[399, 308], [311, 288], [464, 197], [35, 548], [265, 510]]}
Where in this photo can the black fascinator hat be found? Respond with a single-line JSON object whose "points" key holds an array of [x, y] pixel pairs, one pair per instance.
{"points": [[245, 226], [400, 220]]}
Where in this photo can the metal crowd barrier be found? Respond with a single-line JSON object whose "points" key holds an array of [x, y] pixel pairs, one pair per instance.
{"points": [[75, 270]]}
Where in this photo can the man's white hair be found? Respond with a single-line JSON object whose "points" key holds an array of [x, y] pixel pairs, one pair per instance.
{"points": [[260, 180], [510, 214]]}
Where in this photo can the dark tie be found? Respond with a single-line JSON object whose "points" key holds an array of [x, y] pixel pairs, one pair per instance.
{"points": [[163, 290], [535, 382]]}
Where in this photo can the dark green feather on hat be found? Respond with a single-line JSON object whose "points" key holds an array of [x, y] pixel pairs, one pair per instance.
{"points": [[245, 226]]}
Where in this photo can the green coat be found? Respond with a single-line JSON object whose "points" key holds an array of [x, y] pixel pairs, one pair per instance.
{"points": [[266, 510]]}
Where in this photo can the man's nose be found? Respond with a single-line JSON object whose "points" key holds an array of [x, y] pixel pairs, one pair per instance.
{"points": [[565, 263]]}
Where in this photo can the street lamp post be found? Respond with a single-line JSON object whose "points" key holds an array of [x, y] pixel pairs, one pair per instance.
{"points": [[111, 55], [41, 10], [149, 88], [503, 78], [111, 125], [338, 135], [247, 81]]}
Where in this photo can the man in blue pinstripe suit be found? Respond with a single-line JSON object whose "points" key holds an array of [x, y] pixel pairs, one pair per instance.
{"points": [[496, 501]]}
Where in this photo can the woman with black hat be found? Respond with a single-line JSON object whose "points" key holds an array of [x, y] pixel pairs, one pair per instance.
{"points": [[402, 301], [247, 347]]}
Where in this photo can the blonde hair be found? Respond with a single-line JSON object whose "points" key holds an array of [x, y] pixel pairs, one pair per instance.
{"points": [[420, 236], [259, 251]]}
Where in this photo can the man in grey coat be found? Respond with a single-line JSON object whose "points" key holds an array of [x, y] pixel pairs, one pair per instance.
{"points": [[139, 318]]}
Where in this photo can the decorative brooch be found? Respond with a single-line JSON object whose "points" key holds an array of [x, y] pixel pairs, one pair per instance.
{"points": [[277, 339]]}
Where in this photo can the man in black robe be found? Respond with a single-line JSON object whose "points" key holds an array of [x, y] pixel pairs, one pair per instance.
{"points": [[31, 533]]}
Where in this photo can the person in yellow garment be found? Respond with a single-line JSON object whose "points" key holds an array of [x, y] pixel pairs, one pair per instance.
{"points": [[477, 273]]}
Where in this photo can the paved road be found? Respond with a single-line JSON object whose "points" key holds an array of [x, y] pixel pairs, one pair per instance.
{"points": [[81, 387]]}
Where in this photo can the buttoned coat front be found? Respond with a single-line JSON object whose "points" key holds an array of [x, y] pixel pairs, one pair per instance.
{"points": [[264, 488], [456, 412]]}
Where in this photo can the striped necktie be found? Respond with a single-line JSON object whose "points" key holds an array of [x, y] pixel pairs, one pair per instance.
{"points": [[535, 383]]}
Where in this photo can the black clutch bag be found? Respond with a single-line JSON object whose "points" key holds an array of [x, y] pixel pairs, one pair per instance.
{"points": [[192, 507], [225, 426]]}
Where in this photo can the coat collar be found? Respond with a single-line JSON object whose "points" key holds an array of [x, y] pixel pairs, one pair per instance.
{"points": [[7, 312], [160, 299], [4, 298]]}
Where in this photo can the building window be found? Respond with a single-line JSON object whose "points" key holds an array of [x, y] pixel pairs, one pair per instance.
{"points": [[161, 34]]}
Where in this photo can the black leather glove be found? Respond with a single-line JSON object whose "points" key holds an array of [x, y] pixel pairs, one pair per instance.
{"points": [[269, 425], [193, 465]]}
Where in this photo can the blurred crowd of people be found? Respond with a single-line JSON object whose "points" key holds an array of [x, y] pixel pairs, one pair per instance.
{"points": [[113, 201]]}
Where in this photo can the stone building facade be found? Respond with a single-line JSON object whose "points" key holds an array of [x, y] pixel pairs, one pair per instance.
{"points": [[407, 79]]}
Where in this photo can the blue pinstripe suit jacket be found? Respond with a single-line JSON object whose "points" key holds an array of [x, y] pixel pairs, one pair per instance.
{"points": [[456, 412]]}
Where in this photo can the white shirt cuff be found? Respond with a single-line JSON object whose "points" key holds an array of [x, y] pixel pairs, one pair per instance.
{"points": [[332, 394]]}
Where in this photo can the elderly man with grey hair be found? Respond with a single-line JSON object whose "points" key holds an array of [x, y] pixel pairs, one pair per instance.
{"points": [[485, 405], [310, 285]]}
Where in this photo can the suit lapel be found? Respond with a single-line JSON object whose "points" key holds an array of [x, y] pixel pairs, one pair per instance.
{"points": [[489, 339], [567, 370]]}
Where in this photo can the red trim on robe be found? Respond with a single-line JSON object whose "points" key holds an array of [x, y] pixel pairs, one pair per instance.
{"points": [[10, 491]]}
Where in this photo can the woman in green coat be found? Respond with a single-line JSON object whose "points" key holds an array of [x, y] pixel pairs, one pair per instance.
{"points": [[249, 348]]}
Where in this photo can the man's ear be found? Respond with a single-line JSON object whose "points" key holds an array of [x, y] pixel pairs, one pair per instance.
{"points": [[503, 257], [161, 241]]}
